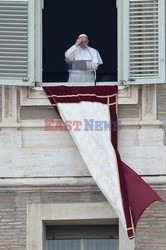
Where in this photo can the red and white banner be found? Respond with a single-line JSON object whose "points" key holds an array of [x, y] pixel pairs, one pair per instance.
{"points": [[96, 108]]}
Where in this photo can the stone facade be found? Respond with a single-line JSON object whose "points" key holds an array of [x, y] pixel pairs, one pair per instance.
{"points": [[161, 104], [40, 167], [151, 229]]}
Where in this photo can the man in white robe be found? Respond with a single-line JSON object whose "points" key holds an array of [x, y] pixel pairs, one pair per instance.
{"points": [[80, 51]]}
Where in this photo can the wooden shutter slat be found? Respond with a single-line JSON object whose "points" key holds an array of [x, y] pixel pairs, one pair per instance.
{"points": [[16, 49], [143, 33], [10, 12], [141, 41]]}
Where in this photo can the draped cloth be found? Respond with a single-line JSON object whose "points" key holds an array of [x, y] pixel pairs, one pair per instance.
{"points": [[95, 107]]}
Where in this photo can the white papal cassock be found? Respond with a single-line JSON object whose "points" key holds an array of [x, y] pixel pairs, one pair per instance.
{"points": [[77, 53]]}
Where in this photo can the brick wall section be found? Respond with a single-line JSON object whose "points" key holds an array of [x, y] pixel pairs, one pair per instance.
{"points": [[150, 233], [13, 212]]}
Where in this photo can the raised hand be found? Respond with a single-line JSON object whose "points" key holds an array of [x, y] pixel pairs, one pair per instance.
{"points": [[78, 41]]}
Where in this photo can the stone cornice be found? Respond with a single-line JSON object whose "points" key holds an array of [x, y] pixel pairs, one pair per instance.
{"points": [[66, 184]]}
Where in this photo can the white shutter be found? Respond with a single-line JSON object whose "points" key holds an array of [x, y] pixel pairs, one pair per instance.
{"points": [[141, 44], [17, 42]]}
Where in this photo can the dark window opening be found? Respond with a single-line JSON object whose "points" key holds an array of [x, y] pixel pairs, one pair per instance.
{"points": [[64, 20], [83, 237]]}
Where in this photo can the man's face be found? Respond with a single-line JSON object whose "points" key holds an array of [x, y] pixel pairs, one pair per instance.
{"points": [[84, 42]]}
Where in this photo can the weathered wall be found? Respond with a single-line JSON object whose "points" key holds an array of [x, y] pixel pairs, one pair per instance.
{"points": [[0, 103], [151, 229], [13, 211], [30, 155], [161, 103], [43, 112], [32, 152], [125, 110], [150, 232]]}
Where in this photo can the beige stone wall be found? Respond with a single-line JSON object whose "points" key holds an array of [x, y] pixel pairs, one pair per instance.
{"points": [[13, 211], [34, 113], [150, 232], [30, 156], [0, 103], [125, 110], [30, 151], [161, 103]]}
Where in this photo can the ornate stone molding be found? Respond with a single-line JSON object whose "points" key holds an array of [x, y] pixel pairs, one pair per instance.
{"points": [[66, 184], [151, 132], [149, 106], [9, 108]]}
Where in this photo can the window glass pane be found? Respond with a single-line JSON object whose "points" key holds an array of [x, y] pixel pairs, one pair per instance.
{"points": [[58, 232], [88, 244], [100, 244], [82, 237], [64, 245]]}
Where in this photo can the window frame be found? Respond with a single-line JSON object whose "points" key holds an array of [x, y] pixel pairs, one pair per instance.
{"points": [[122, 53], [39, 6], [35, 47], [69, 214]]}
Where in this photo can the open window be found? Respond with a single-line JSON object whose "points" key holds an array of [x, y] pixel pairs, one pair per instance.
{"points": [[64, 20], [131, 30], [129, 35]]}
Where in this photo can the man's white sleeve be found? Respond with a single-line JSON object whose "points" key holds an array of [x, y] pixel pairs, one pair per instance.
{"points": [[69, 54], [95, 65]]}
